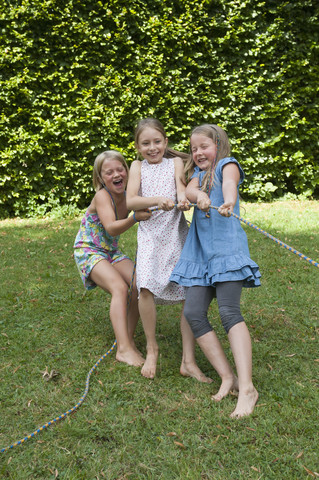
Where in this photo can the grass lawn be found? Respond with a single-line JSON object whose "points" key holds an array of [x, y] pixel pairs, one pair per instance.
{"points": [[133, 428]]}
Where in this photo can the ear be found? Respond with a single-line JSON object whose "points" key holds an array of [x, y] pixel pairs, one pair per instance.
{"points": [[136, 146]]}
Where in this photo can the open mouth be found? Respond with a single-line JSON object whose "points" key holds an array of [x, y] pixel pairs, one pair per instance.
{"points": [[118, 183]]}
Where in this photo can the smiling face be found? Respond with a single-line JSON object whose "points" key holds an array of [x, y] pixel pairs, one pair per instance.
{"points": [[114, 175], [151, 144], [203, 150]]}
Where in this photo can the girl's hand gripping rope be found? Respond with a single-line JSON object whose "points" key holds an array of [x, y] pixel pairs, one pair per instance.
{"points": [[184, 205], [142, 215], [203, 201], [226, 209], [165, 204]]}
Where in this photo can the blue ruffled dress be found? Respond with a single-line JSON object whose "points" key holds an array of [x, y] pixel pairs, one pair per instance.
{"points": [[216, 248]]}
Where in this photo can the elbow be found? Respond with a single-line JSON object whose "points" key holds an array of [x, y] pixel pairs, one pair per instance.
{"points": [[111, 231], [129, 203], [191, 196]]}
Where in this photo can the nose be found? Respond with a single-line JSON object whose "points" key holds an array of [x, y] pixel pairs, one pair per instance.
{"points": [[199, 151]]}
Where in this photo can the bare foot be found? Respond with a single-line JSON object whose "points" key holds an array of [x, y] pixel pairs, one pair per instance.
{"points": [[131, 357], [192, 370], [246, 403], [137, 350], [228, 385], [149, 367], [140, 355]]}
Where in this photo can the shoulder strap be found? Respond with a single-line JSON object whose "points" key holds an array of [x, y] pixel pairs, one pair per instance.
{"points": [[115, 209]]}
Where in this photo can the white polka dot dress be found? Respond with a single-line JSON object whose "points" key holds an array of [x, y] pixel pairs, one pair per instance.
{"points": [[161, 238]]}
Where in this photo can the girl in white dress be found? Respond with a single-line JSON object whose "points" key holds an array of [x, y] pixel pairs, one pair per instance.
{"points": [[158, 181]]}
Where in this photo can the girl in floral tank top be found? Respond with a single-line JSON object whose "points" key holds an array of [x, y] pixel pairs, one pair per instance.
{"points": [[96, 252]]}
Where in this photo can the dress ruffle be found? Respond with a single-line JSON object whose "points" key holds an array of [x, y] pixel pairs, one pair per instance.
{"points": [[218, 269]]}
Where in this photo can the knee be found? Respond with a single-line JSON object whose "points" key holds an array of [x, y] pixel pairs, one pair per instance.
{"points": [[133, 289], [190, 311], [230, 316], [120, 289], [197, 320], [146, 294]]}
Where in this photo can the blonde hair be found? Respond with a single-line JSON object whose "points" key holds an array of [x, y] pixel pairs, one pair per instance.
{"points": [[97, 167], [157, 125], [220, 138]]}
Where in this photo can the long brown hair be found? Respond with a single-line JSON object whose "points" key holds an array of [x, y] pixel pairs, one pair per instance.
{"points": [[157, 125], [220, 138]]}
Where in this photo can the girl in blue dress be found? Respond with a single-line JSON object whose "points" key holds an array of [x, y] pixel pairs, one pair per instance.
{"points": [[215, 262]]}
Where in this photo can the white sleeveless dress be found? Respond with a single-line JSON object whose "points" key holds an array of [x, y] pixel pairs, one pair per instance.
{"points": [[161, 238]]}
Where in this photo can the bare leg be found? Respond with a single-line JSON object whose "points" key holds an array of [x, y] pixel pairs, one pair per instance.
{"points": [[147, 310], [133, 314], [189, 366], [125, 268], [132, 319], [215, 354], [109, 279], [240, 343]]}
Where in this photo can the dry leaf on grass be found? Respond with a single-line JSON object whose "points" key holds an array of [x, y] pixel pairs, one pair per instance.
{"points": [[46, 375], [179, 444], [313, 474]]}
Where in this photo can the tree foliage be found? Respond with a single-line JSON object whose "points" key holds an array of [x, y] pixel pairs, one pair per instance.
{"points": [[76, 76]]}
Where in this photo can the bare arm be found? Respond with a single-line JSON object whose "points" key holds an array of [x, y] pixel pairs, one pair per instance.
{"points": [[183, 203], [195, 195], [134, 200], [105, 210], [231, 177]]}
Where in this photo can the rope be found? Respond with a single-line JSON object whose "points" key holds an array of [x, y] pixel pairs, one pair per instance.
{"points": [[87, 384], [64, 415], [279, 242]]}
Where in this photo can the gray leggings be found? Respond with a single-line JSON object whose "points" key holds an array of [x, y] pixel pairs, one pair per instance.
{"points": [[199, 298]]}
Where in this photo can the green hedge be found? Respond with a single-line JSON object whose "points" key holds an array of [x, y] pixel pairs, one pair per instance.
{"points": [[76, 76]]}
